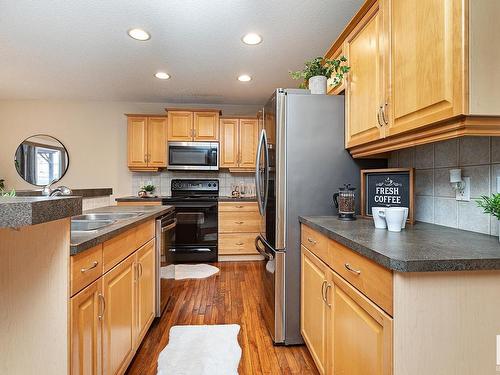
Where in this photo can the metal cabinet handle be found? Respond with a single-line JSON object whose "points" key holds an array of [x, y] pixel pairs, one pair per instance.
{"points": [[239, 243], [239, 206], [378, 116], [102, 302], [94, 265], [383, 113], [328, 286], [311, 241], [323, 297], [239, 222], [140, 269], [136, 272], [350, 269]]}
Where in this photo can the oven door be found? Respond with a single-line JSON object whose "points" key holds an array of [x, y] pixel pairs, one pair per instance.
{"points": [[196, 234], [193, 156], [165, 237]]}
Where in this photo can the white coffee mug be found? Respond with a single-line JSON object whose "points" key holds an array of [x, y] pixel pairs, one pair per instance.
{"points": [[379, 220], [403, 226], [394, 218]]}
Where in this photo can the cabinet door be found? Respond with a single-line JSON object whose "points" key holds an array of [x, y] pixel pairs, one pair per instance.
{"points": [[206, 126], [365, 81], [362, 333], [314, 312], [427, 62], [118, 323], [145, 288], [137, 133], [229, 143], [157, 146], [86, 331], [249, 132], [180, 126]]}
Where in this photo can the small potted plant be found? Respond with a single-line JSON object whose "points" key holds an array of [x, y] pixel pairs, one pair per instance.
{"points": [[148, 190], [317, 71], [491, 205]]}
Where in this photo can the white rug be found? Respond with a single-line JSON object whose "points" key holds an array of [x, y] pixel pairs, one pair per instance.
{"points": [[188, 271], [201, 350]]}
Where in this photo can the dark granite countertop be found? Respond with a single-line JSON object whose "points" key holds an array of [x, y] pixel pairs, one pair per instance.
{"points": [[82, 241], [84, 193], [420, 247], [22, 211], [161, 198]]}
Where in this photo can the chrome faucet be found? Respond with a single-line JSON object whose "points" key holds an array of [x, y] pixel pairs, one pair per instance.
{"points": [[60, 190]]}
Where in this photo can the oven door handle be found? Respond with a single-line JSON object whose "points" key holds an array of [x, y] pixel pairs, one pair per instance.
{"points": [[169, 227], [262, 252]]}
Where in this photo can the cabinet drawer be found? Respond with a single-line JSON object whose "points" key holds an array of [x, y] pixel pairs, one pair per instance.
{"points": [[315, 242], [371, 279], [85, 268], [121, 246], [239, 222], [238, 206], [237, 243]]}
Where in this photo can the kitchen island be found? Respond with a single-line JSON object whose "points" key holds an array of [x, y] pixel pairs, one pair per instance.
{"points": [[422, 301]]}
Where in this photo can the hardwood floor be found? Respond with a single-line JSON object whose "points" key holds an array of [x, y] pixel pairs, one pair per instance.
{"points": [[229, 297]]}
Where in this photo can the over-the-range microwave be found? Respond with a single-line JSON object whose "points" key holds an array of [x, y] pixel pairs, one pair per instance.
{"points": [[193, 156]]}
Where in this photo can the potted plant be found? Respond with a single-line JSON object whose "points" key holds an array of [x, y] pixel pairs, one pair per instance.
{"points": [[491, 205], [148, 190], [317, 71]]}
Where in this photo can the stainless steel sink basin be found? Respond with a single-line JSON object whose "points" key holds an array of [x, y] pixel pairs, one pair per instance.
{"points": [[108, 216], [89, 225]]}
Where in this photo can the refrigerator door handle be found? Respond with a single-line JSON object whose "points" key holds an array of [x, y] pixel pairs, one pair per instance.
{"points": [[263, 251], [258, 171]]}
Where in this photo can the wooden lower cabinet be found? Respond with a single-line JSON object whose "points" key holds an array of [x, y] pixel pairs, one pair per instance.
{"points": [[118, 322], [145, 289], [111, 316], [86, 307], [315, 314]]}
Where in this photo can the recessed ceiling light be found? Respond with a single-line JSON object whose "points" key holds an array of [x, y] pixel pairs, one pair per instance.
{"points": [[244, 78], [139, 34], [251, 38], [162, 75]]}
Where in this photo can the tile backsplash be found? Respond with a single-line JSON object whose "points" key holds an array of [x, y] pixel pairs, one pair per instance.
{"points": [[162, 180], [479, 159]]}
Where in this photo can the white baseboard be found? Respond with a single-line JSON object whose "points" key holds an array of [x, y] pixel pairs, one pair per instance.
{"points": [[237, 258]]}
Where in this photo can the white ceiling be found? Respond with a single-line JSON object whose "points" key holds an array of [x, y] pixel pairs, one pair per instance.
{"points": [[79, 49]]}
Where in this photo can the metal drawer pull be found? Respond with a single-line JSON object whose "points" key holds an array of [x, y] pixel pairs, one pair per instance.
{"points": [[311, 240], [94, 265], [101, 313], [239, 243], [239, 222], [239, 206], [139, 265], [323, 291], [326, 295], [350, 269]]}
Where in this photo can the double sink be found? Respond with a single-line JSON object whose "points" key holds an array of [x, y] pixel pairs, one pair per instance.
{"points": [[96, 221]]}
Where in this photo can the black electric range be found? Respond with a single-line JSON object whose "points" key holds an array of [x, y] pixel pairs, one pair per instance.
{"points": [[196, 232]]}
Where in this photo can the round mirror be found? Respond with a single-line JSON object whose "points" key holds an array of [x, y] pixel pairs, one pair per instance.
{"points": [[41, 159]]}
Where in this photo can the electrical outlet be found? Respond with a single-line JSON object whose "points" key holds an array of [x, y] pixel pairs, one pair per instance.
{"points": [[464, 195]]}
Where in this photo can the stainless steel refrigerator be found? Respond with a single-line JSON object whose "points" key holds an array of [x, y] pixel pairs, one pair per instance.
{"points": [[301, 161]]}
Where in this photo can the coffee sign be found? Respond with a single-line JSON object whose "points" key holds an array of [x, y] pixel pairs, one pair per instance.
{"points": [[391, 187]]}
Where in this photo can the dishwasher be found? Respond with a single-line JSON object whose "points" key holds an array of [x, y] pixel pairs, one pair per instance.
{"points": [[165, 237]]}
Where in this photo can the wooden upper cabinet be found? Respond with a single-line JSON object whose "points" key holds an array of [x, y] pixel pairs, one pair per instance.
{"points": [[180, 126], [145, 288], [137, 141], [86, 307], [206, 126], [147, 142], [157, 142], [249, 133], [229, 143], [427, 63], [364, 49], [362, 333], [119, 316], [238, 144]]}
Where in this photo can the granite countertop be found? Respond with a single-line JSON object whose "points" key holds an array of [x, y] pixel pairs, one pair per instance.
{"points": [[420, 247], [82, 241], [161, 198], [84, 193], [21, 211]]}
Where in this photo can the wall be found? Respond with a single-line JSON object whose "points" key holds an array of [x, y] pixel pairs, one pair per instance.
{"points": [[94, 133], [162, 180], [478, 157]]}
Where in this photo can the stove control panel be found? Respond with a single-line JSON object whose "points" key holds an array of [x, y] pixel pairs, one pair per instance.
{"points": [[194, 185]]}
